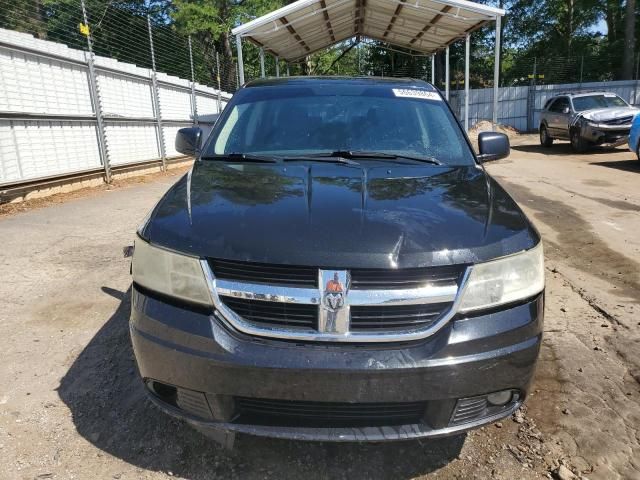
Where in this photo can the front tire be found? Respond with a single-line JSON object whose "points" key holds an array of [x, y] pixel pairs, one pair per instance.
{"points": [[545, 140], [578, 143]]}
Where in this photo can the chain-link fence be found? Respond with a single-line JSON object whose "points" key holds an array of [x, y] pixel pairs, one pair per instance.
{"points": [[87, 89], [137, 32], [94, 85]]}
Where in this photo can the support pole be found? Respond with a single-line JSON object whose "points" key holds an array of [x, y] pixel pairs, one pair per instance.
{"points": [[433, 69], [277, 66], [635, 88], [467, 48], [531, 96], [194, 104], [262, 62], [446, 75], [95, 99], [240, 61], [156, 98], [496, 74], [288, 74]]}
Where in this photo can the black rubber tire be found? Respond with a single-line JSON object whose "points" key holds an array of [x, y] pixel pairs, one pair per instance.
{"points": [[579, 144], [545, 140]]}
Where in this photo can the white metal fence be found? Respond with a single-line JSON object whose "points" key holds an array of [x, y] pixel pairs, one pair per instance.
{"points": [[49, 112], [520, 107], [60, 113]]}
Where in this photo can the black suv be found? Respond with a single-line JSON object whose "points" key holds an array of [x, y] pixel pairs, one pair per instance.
{"points": [[337, 265]]}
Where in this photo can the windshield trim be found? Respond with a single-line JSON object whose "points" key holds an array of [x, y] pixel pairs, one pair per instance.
{"points": [[468, 158], [603, 95]]}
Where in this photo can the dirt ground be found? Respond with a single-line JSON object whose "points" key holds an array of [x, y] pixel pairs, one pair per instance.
{"points": [[71, 405]]}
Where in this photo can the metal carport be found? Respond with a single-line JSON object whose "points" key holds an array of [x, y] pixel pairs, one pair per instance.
{"points": [[424, 26]]}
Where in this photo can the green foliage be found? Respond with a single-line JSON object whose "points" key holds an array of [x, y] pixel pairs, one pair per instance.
{"points": [[564, 40]]}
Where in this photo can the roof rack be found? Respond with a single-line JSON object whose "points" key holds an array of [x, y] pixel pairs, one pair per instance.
{"points": [[580, 92]]}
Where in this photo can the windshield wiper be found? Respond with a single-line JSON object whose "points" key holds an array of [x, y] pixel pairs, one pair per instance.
{"points": [[244, 157], [320, 158], [353, 154]]}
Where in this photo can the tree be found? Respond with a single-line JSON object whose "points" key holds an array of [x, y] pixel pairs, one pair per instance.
{"points": [[210, 23], [629, 40]]}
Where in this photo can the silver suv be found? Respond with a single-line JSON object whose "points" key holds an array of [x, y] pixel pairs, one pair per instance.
{"points": [[586, 119]]}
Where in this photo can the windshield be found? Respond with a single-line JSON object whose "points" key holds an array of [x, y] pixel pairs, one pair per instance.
{"points": [[294, 121], [598, 101]]}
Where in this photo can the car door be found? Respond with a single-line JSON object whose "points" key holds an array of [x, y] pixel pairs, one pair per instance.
{"points": [[559, 116]]}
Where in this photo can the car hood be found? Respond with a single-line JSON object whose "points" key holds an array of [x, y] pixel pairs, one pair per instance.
{"points": [[341, 216], [600, 114]]}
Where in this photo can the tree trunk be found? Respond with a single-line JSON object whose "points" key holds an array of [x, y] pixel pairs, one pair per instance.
{"points": [[227, 64], [629, 40], [612, 24], [569, 26]]}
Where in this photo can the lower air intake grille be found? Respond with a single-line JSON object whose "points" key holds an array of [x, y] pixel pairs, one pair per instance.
{"points": [[389, 318], [274, 314], [258, 411], [469, 409]]}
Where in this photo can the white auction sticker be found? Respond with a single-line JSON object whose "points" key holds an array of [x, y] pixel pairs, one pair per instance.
{"points": [[413, 93]]}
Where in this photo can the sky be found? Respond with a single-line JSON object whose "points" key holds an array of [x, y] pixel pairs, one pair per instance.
{"points": [[601, 27]]}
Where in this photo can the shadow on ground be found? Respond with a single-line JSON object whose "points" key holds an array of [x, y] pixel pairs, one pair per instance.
{"points": [[626, 165], [564, 149], [110, 410]]}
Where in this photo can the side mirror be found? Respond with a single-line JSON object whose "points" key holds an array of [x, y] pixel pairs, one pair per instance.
{"points": [[566, 110], [493, 146], [188, 140], [211, 118]]}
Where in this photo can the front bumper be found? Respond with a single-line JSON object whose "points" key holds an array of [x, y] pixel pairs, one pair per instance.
{"points": [[213, 367], [605, 134]]}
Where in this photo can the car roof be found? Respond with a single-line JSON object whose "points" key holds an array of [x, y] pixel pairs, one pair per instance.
{"points": [[335, 81]]}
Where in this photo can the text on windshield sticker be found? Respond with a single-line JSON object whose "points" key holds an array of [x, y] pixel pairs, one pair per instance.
{"points": [[411, 93]]}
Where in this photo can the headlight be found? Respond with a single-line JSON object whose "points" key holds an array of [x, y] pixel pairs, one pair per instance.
{"points": [[170, 273], [505, 280]]}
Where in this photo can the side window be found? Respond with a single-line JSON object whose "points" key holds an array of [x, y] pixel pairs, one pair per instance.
{"points": [[559, 105]]}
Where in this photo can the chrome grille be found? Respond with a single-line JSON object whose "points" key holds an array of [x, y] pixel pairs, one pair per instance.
{"points": [[265, 273], [397, 317], [294, 315], [338, 305], [619, 121], [403, 278]]}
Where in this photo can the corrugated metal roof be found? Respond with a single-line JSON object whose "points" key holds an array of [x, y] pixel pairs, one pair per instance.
{"points": [[424, 26]]}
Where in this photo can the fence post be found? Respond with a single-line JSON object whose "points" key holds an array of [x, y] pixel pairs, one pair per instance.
{"points": [[531, 95], [95, 100], [219, 87], [156, 98], [194, 100]]}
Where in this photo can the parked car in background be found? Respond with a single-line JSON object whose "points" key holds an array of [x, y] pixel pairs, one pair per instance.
{"points": [[634, 136], [586, 119], [337, 266]]}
